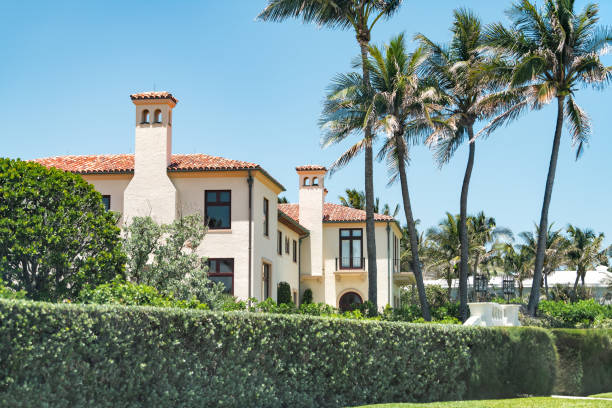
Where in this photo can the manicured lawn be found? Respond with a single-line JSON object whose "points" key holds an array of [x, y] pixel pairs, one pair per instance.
{"points": [[507, 403], [606, 395]]}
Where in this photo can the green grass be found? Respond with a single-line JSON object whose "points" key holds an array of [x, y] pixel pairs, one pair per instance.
{"points": [[543, 402], [605, 395]]}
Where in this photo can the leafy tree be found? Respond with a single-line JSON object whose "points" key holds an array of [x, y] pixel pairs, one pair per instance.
{"points": [[282, 200], [554, 51], [165, 257], [585, 251], [283, 294], [361, 16], [461, 75], [55, 235]]}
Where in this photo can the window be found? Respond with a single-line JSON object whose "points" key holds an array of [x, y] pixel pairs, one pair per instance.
{"points": [[157, 116], [218, 204], [306, 181], [395, 252], [265, 283], [315, 181], [351, 248], [266, 210], [287, 244], [222, 270], [349, 301], [294, 250], [145, 116], [279, 244], [106, 202]]}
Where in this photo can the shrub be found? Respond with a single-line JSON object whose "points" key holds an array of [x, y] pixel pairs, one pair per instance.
{"points": [[283, 293], [585, 361], [55, 234], [437, 296], [8, 293], [138, 356], [570, 315], [307, 298]]}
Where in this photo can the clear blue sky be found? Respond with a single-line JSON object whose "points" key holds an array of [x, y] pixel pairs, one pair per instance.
{"points": [[252, 91]]}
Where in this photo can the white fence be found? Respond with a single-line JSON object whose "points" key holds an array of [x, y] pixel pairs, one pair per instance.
{"points": [[492, 314]]}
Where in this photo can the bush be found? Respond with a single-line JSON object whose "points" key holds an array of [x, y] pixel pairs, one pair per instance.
{"points": [[571, 315], [283, 293], [307, 298], [120, 292], [55, 234], [437, 296], [8, 293], [138, 356], [585, 361]]}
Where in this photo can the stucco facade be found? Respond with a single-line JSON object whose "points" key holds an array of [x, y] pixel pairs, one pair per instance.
{"points": [[260, 241]]}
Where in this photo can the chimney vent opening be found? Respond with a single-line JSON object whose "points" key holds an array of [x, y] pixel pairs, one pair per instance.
{"points": [[145, 116], [157, 116], [306, 181]]}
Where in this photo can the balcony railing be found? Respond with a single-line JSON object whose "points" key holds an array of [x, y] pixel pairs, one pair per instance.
{"points": [[350, 263]]}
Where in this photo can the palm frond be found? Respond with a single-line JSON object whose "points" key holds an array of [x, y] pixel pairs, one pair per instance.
{"points": [[579, 125]]}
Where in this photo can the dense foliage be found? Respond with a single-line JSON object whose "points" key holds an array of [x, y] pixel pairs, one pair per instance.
{"points": [[137, 356], [585, 361], [283, 294], [165, 257], [55, 234], [583, 313]]}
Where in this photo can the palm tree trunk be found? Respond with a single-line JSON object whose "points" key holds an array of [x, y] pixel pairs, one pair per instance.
{"points": [[546, 285], [463, 234], [574, 294], [534, 296], [369, 187], [414, 243]]}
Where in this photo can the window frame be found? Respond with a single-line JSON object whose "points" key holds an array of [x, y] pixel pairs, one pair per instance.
{"points": [[109, 201], [266, 280], [217, 204], [279, 243], [217, 273], [294, 251], [287, 244], [351, 256], [266, 211]]}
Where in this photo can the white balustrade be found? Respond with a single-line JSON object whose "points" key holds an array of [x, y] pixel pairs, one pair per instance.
{"points": [[492, 314]]}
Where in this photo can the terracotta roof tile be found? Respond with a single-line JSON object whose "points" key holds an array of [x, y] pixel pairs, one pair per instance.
{"points": [[153, 95], [124, 163], [333, 213], [311, 167]]}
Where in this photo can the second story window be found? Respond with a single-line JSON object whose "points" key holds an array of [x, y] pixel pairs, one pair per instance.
{"points": [[218, 209], [294, 250], [287, 244], [266, 211], [279, 244], [106, 200], [351, 248]]}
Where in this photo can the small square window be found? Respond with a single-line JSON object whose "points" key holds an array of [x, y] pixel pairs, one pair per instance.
{"points": [[106, 200]]}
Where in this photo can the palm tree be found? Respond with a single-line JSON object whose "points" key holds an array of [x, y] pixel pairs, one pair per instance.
{"points": [[555, 51], [555, 252], [443, 249], [461, 75], [356, 199], [361, 15], [585, 252], [484, 232], [518, 263]]}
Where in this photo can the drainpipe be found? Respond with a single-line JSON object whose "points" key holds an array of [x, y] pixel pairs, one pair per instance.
{"points": [[388, 264], [250, 183], [299, 296]]}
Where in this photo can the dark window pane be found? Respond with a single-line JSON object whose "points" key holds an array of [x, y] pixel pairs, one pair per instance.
{"points": [[226, 265], [218, 217], [211, 196], [106, 201], [225, 196], [226, 280]]}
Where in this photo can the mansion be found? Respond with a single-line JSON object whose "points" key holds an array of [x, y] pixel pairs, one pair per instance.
{"points": [[252, 242]]}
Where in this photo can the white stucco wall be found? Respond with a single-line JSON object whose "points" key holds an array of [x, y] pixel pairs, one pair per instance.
{"points": [[111, 184]]}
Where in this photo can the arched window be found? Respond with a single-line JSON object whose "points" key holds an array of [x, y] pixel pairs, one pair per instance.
{"points": [[306, 181], [145, 116], [315, 181], [349, 301], [157, 116]]}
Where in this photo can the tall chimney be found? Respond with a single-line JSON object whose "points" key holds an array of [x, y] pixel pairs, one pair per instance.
{"points": [[150, 191], [311, 199]]}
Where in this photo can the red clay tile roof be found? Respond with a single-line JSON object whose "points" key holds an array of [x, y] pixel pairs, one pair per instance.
{"points": [[124, 163], [333, 213], [310, 167], [153, 95]]}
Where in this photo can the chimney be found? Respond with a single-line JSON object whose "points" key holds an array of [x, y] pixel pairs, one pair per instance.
{"points": [[311, 199], [150, 191]]}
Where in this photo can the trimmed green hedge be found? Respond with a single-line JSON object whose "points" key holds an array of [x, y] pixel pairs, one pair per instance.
{"points": [[585, 361], [113, 356]]}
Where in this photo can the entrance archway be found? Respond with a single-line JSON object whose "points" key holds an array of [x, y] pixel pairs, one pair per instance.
{"points": [[349, 301]]}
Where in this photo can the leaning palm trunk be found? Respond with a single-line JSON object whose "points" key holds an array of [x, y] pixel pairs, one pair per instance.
{"points": [[414, 244], [463, 234], [534, 297], [369, 184]]}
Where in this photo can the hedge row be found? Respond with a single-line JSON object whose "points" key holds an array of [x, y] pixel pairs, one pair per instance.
{"points": [[65, 355], [585, 361]]}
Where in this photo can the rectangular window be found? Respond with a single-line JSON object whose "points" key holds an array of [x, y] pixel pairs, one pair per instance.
{"points": [[222, 270], [279, 244], [287, 241], [265, 281], [395, 256], [218, 208], [266, 210], [106, 202], [351, 248], [294, 250]]}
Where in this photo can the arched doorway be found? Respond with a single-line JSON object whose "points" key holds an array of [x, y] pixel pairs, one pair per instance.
{"points": [[349, 301]]}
